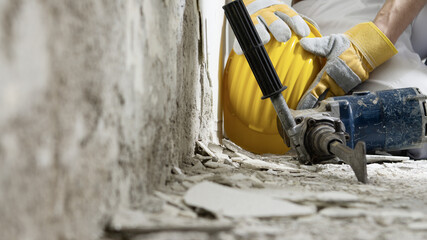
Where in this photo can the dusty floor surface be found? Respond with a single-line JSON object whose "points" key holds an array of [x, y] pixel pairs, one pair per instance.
{"points": [[393, 205]]}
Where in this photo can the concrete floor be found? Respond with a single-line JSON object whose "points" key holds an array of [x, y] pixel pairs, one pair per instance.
{"points": [[393, 205]]}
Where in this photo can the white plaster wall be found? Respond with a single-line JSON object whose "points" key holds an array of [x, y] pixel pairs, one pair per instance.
{"points": [[98, 99], [214, 48]]}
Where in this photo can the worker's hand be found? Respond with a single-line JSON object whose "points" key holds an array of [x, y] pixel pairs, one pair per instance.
{"points": [[350, 58], [275, 17]]}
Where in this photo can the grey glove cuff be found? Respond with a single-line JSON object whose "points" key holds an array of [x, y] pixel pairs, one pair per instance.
{"points": [[261, 4], [310, 21]]}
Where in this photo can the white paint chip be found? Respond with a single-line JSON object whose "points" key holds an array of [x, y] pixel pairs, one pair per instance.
{"points": [[205, 148], [334, 212], [236, 203], [126, 218], [259, 164], [418, 226], [336, 197], [383, 158]]}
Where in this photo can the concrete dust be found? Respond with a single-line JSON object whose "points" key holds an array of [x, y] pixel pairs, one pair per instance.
{"points": [[393, 205]]}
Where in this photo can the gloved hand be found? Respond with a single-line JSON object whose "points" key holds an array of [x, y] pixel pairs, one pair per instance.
{"points": [[350, 58], [275, 16]]}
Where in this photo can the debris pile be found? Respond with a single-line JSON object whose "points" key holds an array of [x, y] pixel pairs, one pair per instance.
{"points": [[225, 192]]}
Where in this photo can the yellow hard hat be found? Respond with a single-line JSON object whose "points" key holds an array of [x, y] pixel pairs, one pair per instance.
{"points": [[251, 122]]}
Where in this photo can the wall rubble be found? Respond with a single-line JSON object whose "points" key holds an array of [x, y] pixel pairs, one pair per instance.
{"points": [[98, 100]]}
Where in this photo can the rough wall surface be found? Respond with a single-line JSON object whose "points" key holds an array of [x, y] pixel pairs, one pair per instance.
{"points": [[98, 99]]}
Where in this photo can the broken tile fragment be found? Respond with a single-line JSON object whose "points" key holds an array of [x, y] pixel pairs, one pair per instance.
{"points": [[398, 214], [335, 212], [173, 235], [177, 170], [272, 172], [235, 148], [310, 168], [187, 184], [215, 148], [336, 197], [418, 226], [171, 199], [385, 158], [198, 166], [205, 148], [230, 145], [257, 164], [229, 152], [249, 231], [238, 180], [211, 164], [167, 225], [237, 159], [237, 203], [200, 177], [223, 180], [228, 161], [203, 158], [283, 194], [216, 154], [126, 218]]}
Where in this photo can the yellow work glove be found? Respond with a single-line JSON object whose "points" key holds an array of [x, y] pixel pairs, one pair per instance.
{"points": [[275, 17], [350, 58]]}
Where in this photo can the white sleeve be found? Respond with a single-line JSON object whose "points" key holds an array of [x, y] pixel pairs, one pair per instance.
{"points": [[419, 33], [403, 70]]}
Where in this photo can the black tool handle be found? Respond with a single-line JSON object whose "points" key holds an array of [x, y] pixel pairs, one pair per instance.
{"points": [[254, 50]]}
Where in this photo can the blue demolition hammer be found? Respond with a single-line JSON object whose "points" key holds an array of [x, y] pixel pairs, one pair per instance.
{"points": [[345, 127]]}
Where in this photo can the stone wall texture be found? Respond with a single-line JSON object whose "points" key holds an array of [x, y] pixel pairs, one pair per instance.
{"points": [[98, 100]]}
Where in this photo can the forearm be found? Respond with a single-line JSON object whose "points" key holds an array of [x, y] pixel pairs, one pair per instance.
{"points": [[396, 15]]}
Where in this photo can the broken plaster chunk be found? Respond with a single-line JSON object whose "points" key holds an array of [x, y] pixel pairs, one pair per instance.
{"points": [[237, 159], [249, 231], [283, 194], [200, 177], [238, 150], [177, 170], [310, 168], [229, 153], [137, 222], [198, 165], [187, 184], [384, 158], [222, 158], [238, 180], [335, 212], [387, 217], [231, 146], [126, 218], [236, 203], [203, 158], [205, 149], [215, 148], [398, 214], [338, 197], [226, 160], [418, 226], [257, 164], [231, 163], [211, 164], [187, 214]]}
